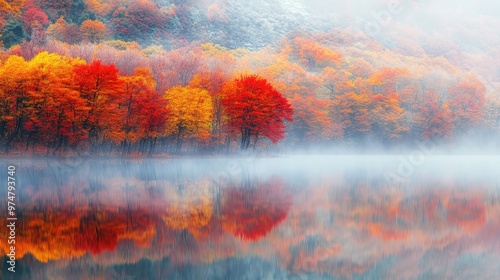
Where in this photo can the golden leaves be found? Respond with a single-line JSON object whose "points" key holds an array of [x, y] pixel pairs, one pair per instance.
{"points": [[191, 112]]}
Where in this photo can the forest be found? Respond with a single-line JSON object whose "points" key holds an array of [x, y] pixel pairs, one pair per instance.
{"points": [[149, 77]]}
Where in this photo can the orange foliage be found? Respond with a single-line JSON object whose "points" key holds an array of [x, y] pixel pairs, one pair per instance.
{"points": [[93, 30], [312, 119], [65, 234], [311, 53]]}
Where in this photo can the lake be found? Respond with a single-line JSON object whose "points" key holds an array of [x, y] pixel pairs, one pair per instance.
{"points": [[287, 217]]}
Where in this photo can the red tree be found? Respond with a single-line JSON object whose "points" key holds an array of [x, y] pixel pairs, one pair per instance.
{"points": [[101, 87], [33, 16], [153, 109], [254, 108]]}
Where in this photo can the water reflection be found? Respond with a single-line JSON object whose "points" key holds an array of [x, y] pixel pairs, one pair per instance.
{"points": [[326, 218]]}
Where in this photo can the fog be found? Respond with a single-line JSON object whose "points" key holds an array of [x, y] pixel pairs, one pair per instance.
{"points": [[445, 7]]}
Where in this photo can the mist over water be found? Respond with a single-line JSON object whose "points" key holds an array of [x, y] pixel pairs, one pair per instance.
{"points": [[323, 216]]}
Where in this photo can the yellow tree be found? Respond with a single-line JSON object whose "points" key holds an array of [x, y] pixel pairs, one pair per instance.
{"points": [[56, 112], [14, 83], [190, 113], [213, 81]]}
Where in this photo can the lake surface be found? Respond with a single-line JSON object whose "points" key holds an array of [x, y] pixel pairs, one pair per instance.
{"points": [[296, 217]]}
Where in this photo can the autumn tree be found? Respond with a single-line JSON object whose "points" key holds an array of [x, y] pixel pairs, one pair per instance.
{"points": [[312, 121], [388, 80], [137, 20], [433, 118], [313, 54], [255, 109], [182, 66], [353, 111], [213, 82], [40, 104], [337, 82], [466, 103], [136, 122], [101, 88], [152, 108], [290, 78], [190, 114], [388, 117], [33, 17], [93, 31], [56, 110], [14, 84], [102, 8], [64, 31]]}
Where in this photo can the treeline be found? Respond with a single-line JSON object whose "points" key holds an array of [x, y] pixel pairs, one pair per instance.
{"points": [[116, 97], [61, 104]]}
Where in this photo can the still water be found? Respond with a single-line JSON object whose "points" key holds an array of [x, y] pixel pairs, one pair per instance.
{"points": [[297, 217]]}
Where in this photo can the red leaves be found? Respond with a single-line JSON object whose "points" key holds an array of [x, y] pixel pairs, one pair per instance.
{"points": [[255, 109], [96, 78], [100, 86], [251, 213], [153, 109], [34, 15]]}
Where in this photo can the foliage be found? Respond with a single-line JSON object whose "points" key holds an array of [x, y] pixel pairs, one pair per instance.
{"points": [[254, 108], [339, 86], [93, 31], [190, 113], [13, 33]]}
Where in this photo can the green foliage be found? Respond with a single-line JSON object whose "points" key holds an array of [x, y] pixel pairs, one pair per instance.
{"points": [[13, 33], [79, 12]]}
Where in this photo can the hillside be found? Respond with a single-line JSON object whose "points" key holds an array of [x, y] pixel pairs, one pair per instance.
{"points": [[358, 75]]}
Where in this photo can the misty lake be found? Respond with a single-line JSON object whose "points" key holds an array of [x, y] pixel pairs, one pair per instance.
{"points": [[288, 217]]}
